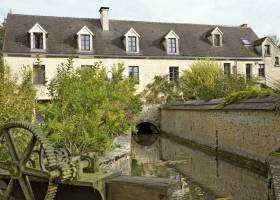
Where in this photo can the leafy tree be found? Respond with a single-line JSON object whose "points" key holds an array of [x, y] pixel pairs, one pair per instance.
{"points": [[161, 91], [205, 80], [87, 109], [2, 32], [17, 101]]}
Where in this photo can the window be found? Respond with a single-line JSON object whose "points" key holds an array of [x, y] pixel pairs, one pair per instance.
{"points": [[39, 75], [132, 44], [248, 71], [227, 69], [172, 45], [267, 50], [133, 71], [262, 70], [85, 42], [217, 40], [173, 73], [38, 41], [86, 66], [277, 61], [245, 41]]}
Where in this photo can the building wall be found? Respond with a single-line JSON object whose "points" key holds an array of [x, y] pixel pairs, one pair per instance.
{"points": [[272, 71], [249, 133], [148, 68]]}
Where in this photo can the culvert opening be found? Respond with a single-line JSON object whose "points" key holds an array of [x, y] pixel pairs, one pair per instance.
{"points": [[146, 135]]}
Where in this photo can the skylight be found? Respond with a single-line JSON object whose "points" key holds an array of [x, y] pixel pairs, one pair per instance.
{"points": [[245, 41]]}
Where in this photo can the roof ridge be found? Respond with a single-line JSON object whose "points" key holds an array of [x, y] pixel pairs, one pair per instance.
{"points": [[138, 21]]}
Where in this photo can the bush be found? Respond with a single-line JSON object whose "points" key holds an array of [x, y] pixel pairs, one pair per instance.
{"points": [[87, 110], [161, 91], [205, 80]]}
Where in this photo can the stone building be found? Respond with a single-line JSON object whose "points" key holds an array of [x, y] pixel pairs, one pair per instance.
{"points": [[145, 48]]}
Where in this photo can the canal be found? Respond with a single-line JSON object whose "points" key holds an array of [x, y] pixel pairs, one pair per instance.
{"points": [[203, 175]]}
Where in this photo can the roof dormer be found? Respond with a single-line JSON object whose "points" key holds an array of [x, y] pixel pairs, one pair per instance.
{"points": [[38, 37], [171, 42], [131, 41], [85, 36], [217, 37]]}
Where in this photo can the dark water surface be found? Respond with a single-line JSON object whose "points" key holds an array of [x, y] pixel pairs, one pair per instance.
{"points": [[203, 175]]}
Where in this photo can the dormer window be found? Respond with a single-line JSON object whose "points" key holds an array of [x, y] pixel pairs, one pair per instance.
{"points": [[217, 37], [267, 50], [217, 40], [132, 45], [85, 36], [171, 43], [37, 38], [85, 42], [131, 41]]}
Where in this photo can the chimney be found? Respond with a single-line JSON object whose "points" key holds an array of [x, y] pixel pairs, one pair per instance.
{"points": [[104, 18], [244, 25]]}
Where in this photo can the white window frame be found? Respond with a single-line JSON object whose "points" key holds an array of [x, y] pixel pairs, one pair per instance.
{"points": [[85, 31], [171, 35], [217, 31], [132, 33], [37, 28]]}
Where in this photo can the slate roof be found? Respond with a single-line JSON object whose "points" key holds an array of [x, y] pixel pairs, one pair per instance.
{"points": [[62, 31]]}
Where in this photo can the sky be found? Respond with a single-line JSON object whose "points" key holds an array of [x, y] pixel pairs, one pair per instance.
{"points": [[262, 16]]}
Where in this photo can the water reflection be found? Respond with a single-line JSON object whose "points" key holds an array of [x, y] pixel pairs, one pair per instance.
{"points": [[189, 191]]}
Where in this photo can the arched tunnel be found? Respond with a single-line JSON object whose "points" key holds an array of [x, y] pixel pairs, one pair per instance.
{"points": [[147, 133]]}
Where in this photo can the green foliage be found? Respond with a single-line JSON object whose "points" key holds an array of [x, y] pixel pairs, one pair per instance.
{"points": [[246, 94], [17, 101], [161, 91], [2, 32], [205, 80], [87, 110]]}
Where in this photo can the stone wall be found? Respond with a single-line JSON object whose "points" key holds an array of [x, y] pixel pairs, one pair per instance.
{"points": [[249, 128]]}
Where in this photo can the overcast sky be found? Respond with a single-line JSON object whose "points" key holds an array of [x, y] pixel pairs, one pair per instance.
{"points": [[262, 15]]}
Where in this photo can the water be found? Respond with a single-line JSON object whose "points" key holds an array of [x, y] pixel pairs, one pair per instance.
{"points": [[204, 176]]}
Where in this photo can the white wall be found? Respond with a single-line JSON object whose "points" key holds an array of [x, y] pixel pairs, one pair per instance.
{"points": [[148, 68]]}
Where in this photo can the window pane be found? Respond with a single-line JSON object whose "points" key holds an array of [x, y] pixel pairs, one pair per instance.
{"points": [[38, 40], [39, 74], [133, 71], [173, 73], [85, 42], [261, 70], [227, 69], [248, 71], [217, 40], [276, 60], [132, 44], [172, 45]]}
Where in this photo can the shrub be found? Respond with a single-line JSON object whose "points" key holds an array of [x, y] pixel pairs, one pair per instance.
{"points": [[205, 80], [161, 91]]}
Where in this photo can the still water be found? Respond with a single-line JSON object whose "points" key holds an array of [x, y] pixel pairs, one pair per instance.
{"points": [[203, 176]]}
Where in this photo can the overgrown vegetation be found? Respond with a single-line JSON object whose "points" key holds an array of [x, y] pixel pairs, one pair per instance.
{"points": [[17, 101], [2, 32], [246, 94], [87, 110], [162, 91]]}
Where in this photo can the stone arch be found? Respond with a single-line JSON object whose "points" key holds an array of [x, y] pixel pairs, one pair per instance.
{"points": [[147, 133]]}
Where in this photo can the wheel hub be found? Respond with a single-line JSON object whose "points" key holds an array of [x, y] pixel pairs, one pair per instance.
{"points": [[15, 170]]}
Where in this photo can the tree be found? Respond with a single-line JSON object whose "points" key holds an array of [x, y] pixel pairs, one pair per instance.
{"points": [[205, 80], [17, 102], [87, 109], [2, 32], [162, 91]]}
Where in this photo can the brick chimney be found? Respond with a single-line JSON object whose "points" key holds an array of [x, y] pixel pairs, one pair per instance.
{"points": [[104, 18]]}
